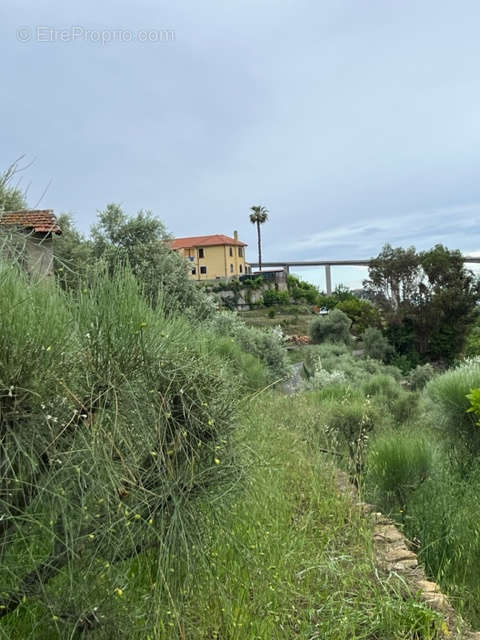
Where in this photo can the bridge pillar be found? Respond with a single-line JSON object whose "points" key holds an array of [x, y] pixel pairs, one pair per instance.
{"points": [[328, 278]]}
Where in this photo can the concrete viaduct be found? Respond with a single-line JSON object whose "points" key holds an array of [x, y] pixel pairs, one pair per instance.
{"points": [[328, 264]]}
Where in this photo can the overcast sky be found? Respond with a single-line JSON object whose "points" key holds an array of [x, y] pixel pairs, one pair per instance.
{"points": [[354, 122]]}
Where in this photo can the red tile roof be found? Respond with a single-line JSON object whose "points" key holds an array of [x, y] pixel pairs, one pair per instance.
{"points": [[205, 241], [39, 221]]}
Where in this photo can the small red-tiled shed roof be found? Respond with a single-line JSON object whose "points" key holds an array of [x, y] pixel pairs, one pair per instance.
{"points": [[205, 241], [39, 221]]}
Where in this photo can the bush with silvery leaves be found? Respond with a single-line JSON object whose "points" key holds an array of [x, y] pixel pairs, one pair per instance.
{"points": [[266, 344], [322, 378]]}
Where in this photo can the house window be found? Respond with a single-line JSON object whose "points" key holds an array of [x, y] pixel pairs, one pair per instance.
{"points": [[191, 258], [231, 268], [194, 271], [231, 252], [241, 269], [201, 253], [203, 270], [240, 252]]}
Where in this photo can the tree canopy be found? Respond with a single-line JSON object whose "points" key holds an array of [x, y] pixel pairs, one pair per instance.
{"points": [[139, 241], [428, 300]]}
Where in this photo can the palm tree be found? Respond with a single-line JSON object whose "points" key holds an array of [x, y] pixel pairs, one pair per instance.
{"points": [[258, 216]]}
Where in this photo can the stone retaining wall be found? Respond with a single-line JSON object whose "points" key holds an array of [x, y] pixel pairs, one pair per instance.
{"points": [[394, 555]]}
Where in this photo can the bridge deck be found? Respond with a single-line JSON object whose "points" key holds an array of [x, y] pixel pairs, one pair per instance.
{"points": [[328, 264], [337, 263]]}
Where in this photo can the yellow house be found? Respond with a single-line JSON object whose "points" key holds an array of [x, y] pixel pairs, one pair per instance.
{"points": [[213, 257]]}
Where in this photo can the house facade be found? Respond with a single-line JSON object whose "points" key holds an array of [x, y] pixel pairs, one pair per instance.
{"points": [[213, 257], [28, 236]]}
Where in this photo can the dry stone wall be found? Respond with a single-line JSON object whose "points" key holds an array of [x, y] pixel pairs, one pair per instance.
{"points": [[394, 555]]}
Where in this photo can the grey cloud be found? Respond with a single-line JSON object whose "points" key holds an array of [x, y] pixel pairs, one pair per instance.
{"points": [[354, 123]]}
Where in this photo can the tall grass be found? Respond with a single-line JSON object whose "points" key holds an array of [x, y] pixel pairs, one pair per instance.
{"points": [[428, 476], [114, 421], [288, 556], [143, 495], [393, 400], [445, 513], [399, 463], [444, 517]]}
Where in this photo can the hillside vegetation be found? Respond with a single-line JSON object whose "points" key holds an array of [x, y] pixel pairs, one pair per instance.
{"points": [[148, 490], [156, 482], [411, 443]]}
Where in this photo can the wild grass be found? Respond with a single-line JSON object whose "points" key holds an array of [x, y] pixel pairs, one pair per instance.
{"points": [[394, 401], [399, 462], [288, 556], [444, 516], [420, 462], [114, 421], [425, 473], [146, 492]]}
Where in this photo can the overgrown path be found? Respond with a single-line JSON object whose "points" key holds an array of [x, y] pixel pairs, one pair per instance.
{"points": [[392, 551], [291, 557]]}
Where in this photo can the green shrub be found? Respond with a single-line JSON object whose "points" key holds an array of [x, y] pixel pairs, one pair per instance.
{"points": [[271, 297], [114, 420], [447, 405], [418, 377], [401, 405], [253, 283], [398, 464], [376, 345], [225, 323], [265, 344], [393, 371], [318, 377], [474, 399], [249, 370], [405, 362], [338, 357], [362, 314], [302, 291], [370, 365], [340, 295], [472, 345], [350, 423], [332, 328], [381, 384], [141, 242]]}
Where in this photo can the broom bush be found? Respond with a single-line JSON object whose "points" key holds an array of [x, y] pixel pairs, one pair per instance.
{"points": [[114, 420]]}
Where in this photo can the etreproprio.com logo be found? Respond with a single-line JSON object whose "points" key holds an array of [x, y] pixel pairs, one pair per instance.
{"points": [[78, 33]]}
